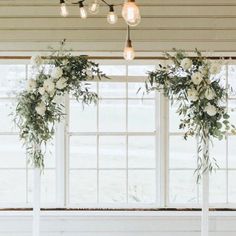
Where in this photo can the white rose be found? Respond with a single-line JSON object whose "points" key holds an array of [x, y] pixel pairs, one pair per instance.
{"points": [[41, 90], [186, 63], [36, 60], [61, 83], [197, 78], [31, 85], [210, 110], [192, 94], [49, 85], [215, 68], [58, 99], [41, 109], [209, 94], [57, 72]]}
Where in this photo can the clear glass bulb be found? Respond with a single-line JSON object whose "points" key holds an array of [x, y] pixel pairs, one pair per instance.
{"points": [[94, 8], [64, 11], [112, 17], [83, 13], [129, 53], [130, 13]]}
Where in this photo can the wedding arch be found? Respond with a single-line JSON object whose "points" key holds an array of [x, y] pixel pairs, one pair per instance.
{"points": [[194, 85]]}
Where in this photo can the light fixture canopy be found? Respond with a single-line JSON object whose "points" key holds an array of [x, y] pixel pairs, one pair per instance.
{"points": [[64, 11], [131, 13], [111, 16]]}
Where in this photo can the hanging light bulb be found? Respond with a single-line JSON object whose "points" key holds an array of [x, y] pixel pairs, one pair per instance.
{"points": [[94, 8], [112, 17], [130, 13], [64, 11], [83, 12], [129, 53]]}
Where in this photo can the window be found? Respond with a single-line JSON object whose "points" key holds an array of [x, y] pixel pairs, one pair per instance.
{"points": [[126, 152]]}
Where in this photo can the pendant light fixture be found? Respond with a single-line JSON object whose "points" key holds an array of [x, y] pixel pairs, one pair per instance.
{"points": [[112, 17], [83, 11], [129, 53], [94, 8], [64, 11], [131, 13]]}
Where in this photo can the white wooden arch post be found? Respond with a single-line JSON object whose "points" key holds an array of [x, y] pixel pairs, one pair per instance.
{"points": [[205, 193]]}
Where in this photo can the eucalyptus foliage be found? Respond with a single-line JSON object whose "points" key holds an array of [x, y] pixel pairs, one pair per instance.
{"points": [[194, 85], [40, 106]]}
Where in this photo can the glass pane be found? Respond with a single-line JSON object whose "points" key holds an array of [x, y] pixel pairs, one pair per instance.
{"points": [[232, 186], [218, 151], [7, 107], [218, 187], [142, 186], [182, 187], [12, 186], [112, 116], [112, 188], [232, 111], [83, 186], [116, 70], [83, 152], [137, 90], [12, 153], [140, 70], [48, 186], [112, 90], [232, 78], [141, 116], [12, 79], [231, 151], [83, 118], [174, 119], [50, 156], [182, 153], [112, 152], [141, 152]]}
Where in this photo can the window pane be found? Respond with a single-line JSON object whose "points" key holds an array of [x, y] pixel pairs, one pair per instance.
{"points": [[112, 187], [218, 187], [141, 116], [232, 186], [141, 152], [174, 119], [112, 152], [12, 186], [231, 151], [182, 153], [12, 154], [83, 186], [137, 90], [232, 78], [142, 186], [218, 151], [112, 116], [83, 118], [183, 187], [232, 111], [140, 70], [7, 107], [83, 152], [116, 70], [112, 90]]}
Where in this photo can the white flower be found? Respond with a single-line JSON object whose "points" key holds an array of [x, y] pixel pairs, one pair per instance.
{"points": [[31, 85], [210, 94], [197, 78], [203, 70], [41, 90], [186, 63], [192, 94], [57, 72], [58, 99], [61, 83], [65, 62], [40, 109], [36, 60], [210, 109], [215, 68], [49, 85]]}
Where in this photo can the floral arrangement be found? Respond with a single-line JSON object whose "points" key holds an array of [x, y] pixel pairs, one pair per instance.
{"points": [[194, 84], [40, 106]]}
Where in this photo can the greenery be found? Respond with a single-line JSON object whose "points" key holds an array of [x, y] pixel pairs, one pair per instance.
{"points": [[194, 85], [40, 106]]}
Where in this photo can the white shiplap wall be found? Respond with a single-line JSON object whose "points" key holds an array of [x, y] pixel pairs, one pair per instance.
{"points": [[210, 25]]}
